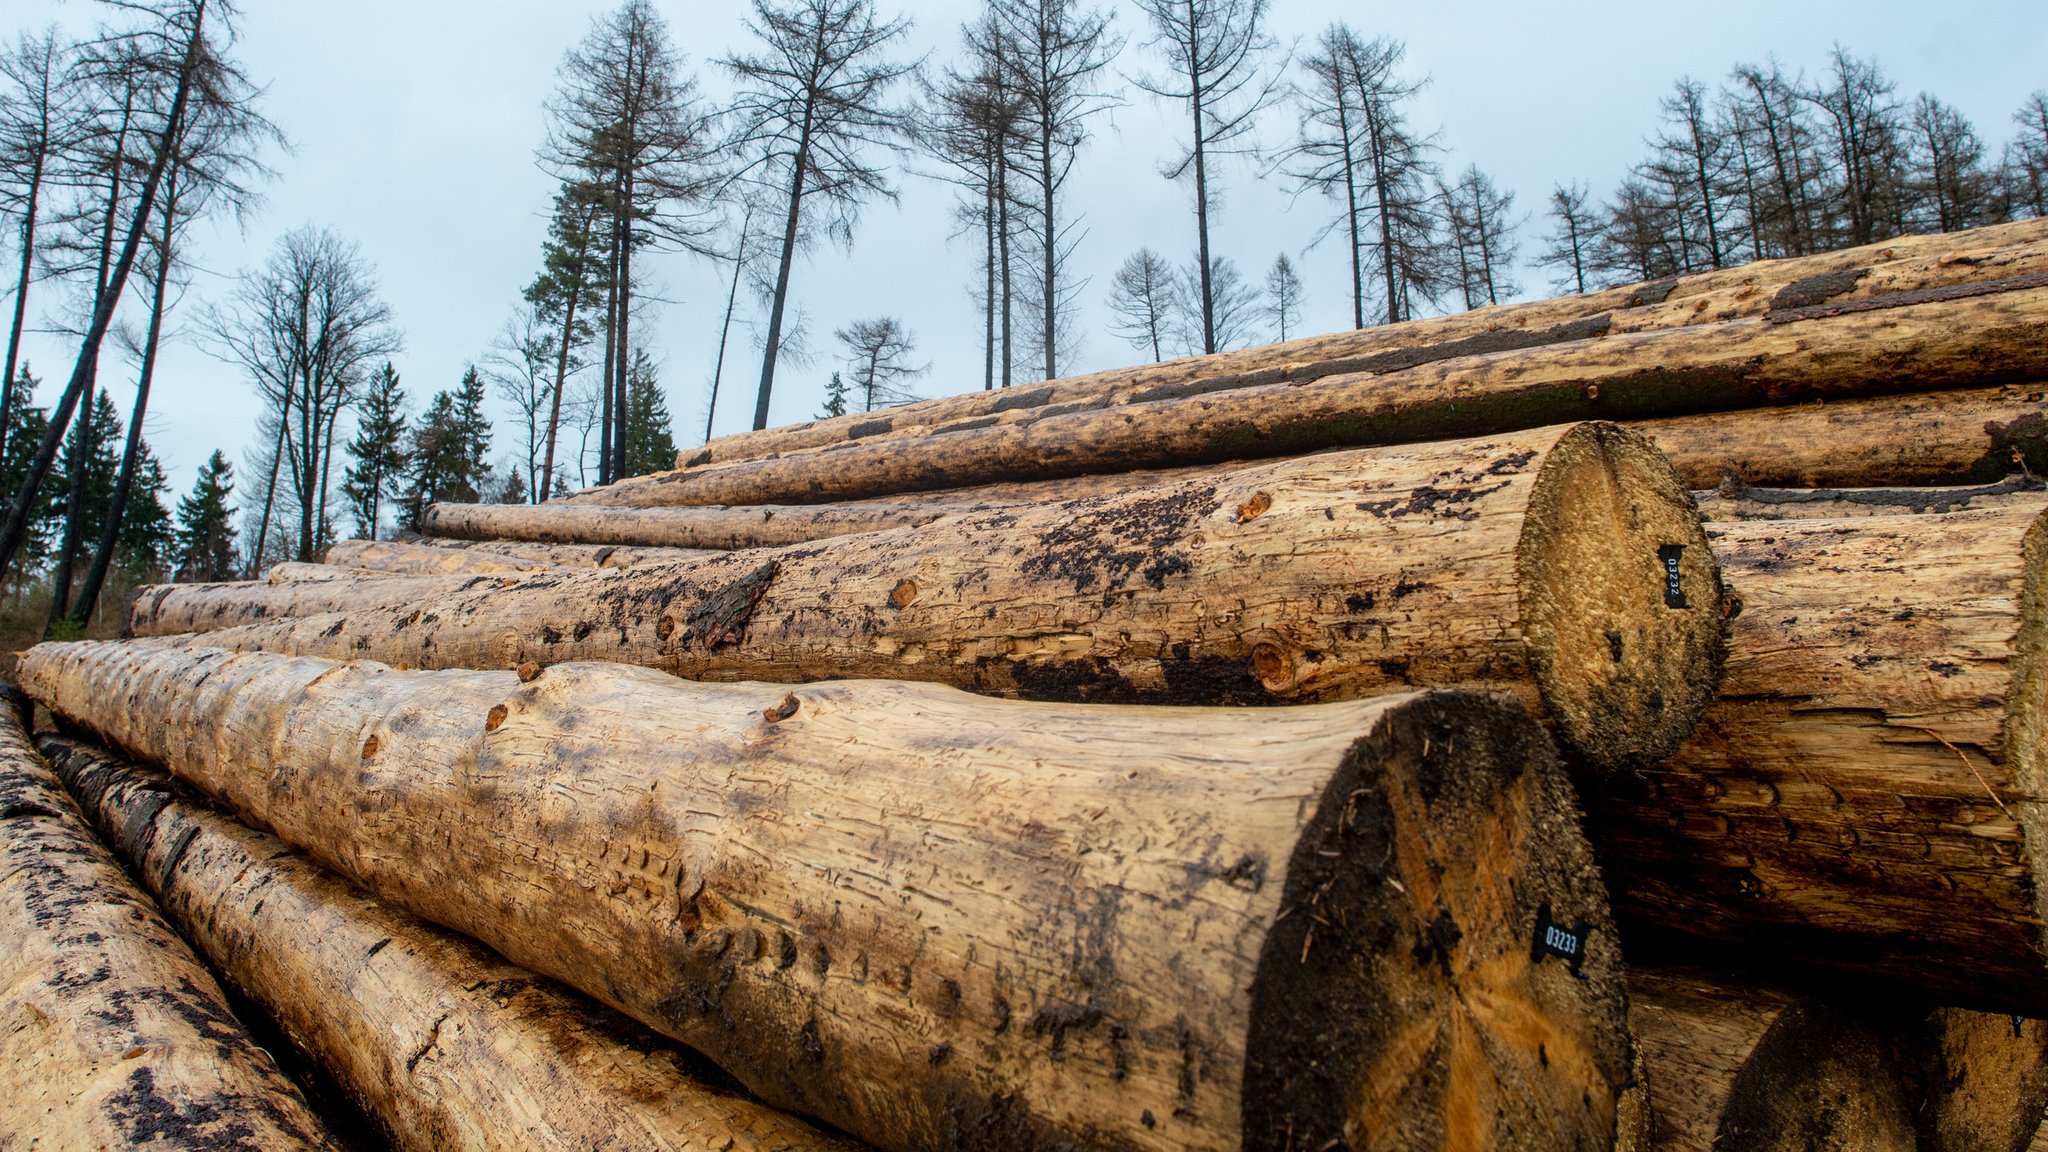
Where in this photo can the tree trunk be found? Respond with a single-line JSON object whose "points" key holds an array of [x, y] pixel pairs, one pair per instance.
{"points": [[115, 1035], [442, 1043], [1900, 343], [732, 297], [1534, 563], [83, 448], [772, 347], [277, 453], [986, 939], [1906, 264], [31, 205], [564, 523], [1866, 795], [450, 557]]}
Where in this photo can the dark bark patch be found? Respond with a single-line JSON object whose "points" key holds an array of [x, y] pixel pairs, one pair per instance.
{"points": [[721, 617]]}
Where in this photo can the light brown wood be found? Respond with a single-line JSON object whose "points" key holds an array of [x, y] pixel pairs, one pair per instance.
{"points": [[1904, 264], [1531, 563], [441, 1042], [752, 527], [1864, 795], [1876, 347], [166, 609], [1739, 502], [1985, 1079], [112, 1035], [939, 920], [492, 557]]}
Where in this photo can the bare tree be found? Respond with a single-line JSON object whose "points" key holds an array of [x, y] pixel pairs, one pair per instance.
{"points": [[1573, 231], [518, 366], [629, 123], [970, 121], [810, 106], [1481, 230], [745, 245], [571, 283], [1356, 144], [1284, 293], [1215, 52], [1637, 238], [1866, 154], [213, 169], [1235, 307], [1690, 160], [1051, 51], [2026, 163], [173, 43], [1145, 297], [305, 327], [1949, 186], [878, 355], [1778, 147], [34, 116]]}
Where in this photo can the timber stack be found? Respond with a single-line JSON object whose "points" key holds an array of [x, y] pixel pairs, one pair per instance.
{"points": [[1612, 722]]}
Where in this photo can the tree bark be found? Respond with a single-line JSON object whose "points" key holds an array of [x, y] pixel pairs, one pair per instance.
{"points": [[1902, 265], [1902, 342], [1534, 563], [452, 557], [443, 1044], [1736, 502], [115, 1035], [1865, 796], [986, 940]]}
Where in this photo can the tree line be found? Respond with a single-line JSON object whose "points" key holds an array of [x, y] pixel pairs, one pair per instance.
{"points": [[112, 146]]}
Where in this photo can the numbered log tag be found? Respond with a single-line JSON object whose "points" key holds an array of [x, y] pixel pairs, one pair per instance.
{"points": [[1668, 556], [1553, 939]]}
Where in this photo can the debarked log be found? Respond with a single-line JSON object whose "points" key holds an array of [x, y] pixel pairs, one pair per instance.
{"points": [[1565, 564], [752, 527], [1866, 795], [443, 1043], [112, 1034], [939, 920], [1952, 262], [492, 557], [165, 609], [1741, 502], [1873, 347], [1743, 1066]]}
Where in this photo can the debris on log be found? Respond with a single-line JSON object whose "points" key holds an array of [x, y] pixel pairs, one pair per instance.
{"points": [[936, 919], [1866, 796], [1564, 564], [112, 1034], [443, 1043]]}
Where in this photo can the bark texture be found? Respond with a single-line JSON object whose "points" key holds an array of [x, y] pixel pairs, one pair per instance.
{"points": [[1907, 264], [112, 1035], [168, 609], [1827, 352], [938, 920], [1539, 563], [1866, 795], [446, 1045]]}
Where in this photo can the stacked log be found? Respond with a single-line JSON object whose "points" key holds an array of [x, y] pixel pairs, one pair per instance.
{"points": [[935, 919], [1565, 565], [444, 1044], [112, 1034], [443, 557]]}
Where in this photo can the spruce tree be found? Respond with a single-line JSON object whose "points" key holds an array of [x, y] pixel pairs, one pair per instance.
{"points": [[835, 398], [206, 525], [148, 540], [448, 453], [473, 427], [650, 443], [26, 423], [378, 452]]}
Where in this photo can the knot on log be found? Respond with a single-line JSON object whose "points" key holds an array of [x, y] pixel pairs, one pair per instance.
{"points": [[782, 711]]}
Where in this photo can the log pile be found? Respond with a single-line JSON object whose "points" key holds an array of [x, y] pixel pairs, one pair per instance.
{"points": [[1614, 722]]}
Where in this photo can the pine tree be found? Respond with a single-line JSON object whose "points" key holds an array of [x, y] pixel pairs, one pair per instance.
{"points": [[650, 442], [835, 398], [1283, 295], [148, 540], [26, 423], [448, 457], [473, 426], [206, 525], [378, 451]]}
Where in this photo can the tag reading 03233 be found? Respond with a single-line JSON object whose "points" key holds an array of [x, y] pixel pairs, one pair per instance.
{"points": [[1554, 939]]}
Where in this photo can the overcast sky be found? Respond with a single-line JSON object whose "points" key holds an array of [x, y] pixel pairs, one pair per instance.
{"points": [[413, 127]]}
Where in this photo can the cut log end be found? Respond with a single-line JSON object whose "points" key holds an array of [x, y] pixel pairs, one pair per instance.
{"points": [[2026, 726], [1459, 849], [1621, 598]]}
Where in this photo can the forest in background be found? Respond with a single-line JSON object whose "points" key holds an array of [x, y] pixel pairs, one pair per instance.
{"points": [[113, 146]]}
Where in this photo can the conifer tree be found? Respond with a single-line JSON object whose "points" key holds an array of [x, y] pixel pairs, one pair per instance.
{"points": [[448, 454], [26, 423], [1283, 295], [378, 452], [835, 398], [650, 439], [206, 525]]}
